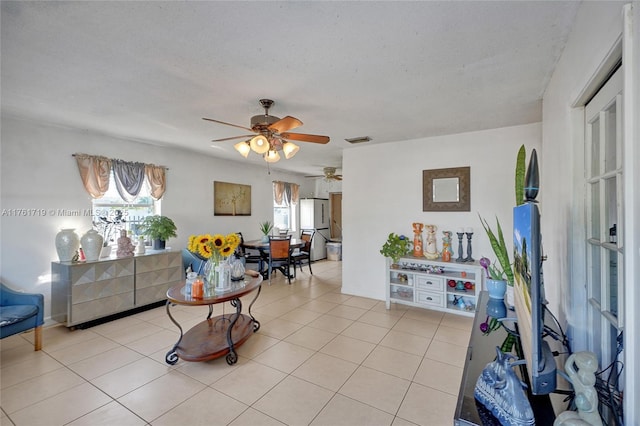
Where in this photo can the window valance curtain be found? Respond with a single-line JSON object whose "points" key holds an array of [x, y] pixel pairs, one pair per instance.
{"points": [[129, 176], [94, 172], [286, 193]]}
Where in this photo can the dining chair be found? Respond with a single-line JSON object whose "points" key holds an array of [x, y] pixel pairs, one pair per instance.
{"points": [[250, 257], [280, 256], [304, 253]]}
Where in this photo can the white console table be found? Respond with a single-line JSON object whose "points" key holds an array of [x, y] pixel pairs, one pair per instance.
{"points": [[411, 282]]}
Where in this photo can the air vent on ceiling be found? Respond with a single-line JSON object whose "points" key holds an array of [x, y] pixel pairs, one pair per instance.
{"points": [[360, 139]]}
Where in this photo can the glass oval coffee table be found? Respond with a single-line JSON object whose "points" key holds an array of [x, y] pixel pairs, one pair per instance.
{"points": [[218, 336]]}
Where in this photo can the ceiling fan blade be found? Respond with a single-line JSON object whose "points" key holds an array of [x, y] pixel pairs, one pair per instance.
{"points": [[231, 138], [285, 124], [306, 138], [228, 124]]}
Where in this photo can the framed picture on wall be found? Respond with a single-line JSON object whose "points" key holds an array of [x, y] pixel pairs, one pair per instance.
{"points": [[231, 199]]}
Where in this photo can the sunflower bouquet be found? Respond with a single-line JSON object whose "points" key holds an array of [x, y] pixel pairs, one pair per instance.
{"points": [[214, 247]]}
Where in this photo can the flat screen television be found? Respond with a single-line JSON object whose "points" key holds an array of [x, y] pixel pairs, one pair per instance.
{"points": [[529, 298]]}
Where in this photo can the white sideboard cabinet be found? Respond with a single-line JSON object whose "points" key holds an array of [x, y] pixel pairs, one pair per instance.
{"points": [[87, 291], [432, 284]]}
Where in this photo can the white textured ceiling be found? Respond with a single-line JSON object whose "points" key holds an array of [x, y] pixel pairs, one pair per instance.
{"points": [[393, 71]]}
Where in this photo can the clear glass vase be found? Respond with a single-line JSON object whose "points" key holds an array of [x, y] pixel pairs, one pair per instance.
{"points": [[217, 275], [223, 272], [210, 273]]}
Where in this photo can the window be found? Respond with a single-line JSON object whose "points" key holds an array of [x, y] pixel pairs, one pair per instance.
{"points": [[284, 217], [112, 214], [285, 198]]}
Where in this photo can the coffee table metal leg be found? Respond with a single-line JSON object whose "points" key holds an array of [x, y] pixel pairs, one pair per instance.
{"points": [[171, 358], [232, 357], [256, 323]]}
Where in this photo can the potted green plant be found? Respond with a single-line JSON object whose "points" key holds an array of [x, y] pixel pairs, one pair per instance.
{"points": [[159, 229], [395, 247], [265, 228]]}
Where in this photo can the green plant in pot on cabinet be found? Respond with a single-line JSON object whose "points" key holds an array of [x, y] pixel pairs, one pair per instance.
{"points": [[159, 229], [395, 247], [265, 228]]}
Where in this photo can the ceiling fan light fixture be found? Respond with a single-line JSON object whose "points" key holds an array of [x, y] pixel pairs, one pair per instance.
{"points": [[260, 144], [289, 149], [243, 148], [272, 156]]}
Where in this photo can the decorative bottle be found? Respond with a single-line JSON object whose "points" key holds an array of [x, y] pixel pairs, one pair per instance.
{"points": [[417, 240]]}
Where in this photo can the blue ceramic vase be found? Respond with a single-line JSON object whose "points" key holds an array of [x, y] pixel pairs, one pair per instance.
{"points": [[496, 288]]}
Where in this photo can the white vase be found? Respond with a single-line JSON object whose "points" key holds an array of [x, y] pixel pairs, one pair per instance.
{"points": [[92, 244], [67, 244], [140, 248]]}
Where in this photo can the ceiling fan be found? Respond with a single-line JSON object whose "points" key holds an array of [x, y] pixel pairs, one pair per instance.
{"points": [[272, 135], [329, 174]]}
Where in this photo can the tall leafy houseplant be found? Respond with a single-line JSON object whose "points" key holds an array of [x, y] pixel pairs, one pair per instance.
{"points": [[497, 238], [159, 229]]}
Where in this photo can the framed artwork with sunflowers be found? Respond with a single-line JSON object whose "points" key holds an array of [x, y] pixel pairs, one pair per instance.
{"points": [[231, 199]]}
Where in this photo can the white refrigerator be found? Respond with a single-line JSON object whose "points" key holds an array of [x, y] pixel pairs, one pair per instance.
{"points": [[314, 214]]}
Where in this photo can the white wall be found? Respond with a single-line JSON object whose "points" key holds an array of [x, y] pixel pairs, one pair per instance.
{"points": [[382, 193], [597, 28], [39, 172], [324, 188]]}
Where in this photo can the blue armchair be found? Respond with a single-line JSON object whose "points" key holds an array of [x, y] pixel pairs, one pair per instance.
{"points": [[21, 312], [192, 260]]}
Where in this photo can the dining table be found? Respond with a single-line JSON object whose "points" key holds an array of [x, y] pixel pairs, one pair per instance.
{"points": [[263, 247]]}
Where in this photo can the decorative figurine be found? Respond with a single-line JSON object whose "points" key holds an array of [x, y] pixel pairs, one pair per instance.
{"points": [[500, 390], [125, 247], [460, 235], [432, 249], [447, 253], [469, 233], [417, 240], [586, 399]]}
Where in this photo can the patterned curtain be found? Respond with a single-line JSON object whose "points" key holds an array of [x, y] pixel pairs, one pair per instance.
{"points": [[129, 178], [94, 172]]}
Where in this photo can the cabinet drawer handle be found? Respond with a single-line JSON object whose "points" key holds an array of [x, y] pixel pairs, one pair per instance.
{"points": [[429, 298], [429, 282]]}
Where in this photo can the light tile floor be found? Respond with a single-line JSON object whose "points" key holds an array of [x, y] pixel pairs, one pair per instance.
{"points": [[320, 358]]}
